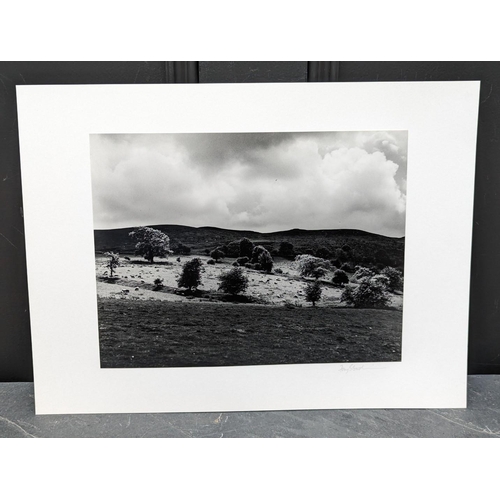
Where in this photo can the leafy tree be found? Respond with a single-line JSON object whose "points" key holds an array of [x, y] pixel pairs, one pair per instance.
{"points": [[233, 281], [113, 262], [262, 257], [151, 243], [340, 277], [246, 248], [313, 292], [190, 277], [362, 272], [233, 249], [286, 250], [370, 293], [311, 266], [181, 249], [395, 278], [323, 253], [217, 254]]}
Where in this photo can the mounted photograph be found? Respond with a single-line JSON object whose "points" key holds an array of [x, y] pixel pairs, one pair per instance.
{"points": [[240, 249]]}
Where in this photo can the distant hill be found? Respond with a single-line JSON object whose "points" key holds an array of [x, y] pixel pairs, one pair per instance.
{"points": [[347, 244]]}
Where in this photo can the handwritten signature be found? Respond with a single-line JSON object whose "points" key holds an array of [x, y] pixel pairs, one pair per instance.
{"points": [[355, 367]]}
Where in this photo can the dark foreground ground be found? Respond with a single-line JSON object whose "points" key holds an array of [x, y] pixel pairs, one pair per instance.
{"points": [[143, 334]]}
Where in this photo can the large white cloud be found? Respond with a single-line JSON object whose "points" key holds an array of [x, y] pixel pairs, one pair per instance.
{"points": [[264, 182]]}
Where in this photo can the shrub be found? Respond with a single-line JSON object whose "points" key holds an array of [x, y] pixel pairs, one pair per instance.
{"points": [[286, 250], [241, 261], [232, 249], [311, 266], [158, 283], [181, 249], [113, 262], [323, 253], [190, 277], [340, 277], [362, 272], [211, 262], [151, 243], [347, 267], [233, 281], [217, 254], [246, 248], [313, 292], [370, 293], [395, 278], [262, 257]]}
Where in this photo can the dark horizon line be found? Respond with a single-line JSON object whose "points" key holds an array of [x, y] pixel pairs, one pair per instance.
{"points": [[251, 230]]}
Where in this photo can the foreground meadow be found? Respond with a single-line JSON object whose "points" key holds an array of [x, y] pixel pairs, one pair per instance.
{"points": [[142, 325]]}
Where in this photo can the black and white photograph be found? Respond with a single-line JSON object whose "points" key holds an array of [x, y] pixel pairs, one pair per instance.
{"points": [[230, 249]]}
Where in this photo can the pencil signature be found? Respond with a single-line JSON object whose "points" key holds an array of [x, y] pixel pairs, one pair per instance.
{"points": [[355, 367]]}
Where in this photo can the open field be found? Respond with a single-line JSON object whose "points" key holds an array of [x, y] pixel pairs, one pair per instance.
{"points": [[285, 288], [142, 326], [151, 333]]}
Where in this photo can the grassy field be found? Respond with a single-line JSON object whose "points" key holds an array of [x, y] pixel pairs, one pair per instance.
{"points": [[154, 333]]}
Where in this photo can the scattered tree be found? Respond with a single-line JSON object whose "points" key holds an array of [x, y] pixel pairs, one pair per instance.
{"points": [[113, 262], [340, 277], [323, 253], [286, 250], [233, 281], [242, 261], [246, 248], [262, 257], [395, 278], [233, 249], [181, 249], [158, 284], [217, 254], [311, 266], [190, 277], [370, 293], [362, 272], [313, 292], [151, 243]]}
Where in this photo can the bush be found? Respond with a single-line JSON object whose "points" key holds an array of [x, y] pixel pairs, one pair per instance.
{"points": [[340, 277], [158, 284], [323, 253], [241, 261], [233, 281], [347, 267], [362, 272], [286, 250], [313, 292], [395, 278], [262, 256], [211, 262], [190, 277], [181, 249], [217, 254], [370, 293], [311, 266], [233, 249], [246, 248]]}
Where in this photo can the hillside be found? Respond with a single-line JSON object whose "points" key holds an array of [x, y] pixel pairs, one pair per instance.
{"points": [[345, 244]]}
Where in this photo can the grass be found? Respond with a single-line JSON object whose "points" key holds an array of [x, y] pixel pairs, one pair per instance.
{"points": [[154, 333]]}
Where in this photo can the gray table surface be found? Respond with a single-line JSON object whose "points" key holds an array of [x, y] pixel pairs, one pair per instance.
{"points": [[481, 419]]}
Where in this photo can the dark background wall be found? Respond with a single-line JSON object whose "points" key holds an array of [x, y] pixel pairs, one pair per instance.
{"points": [[484, 339]]}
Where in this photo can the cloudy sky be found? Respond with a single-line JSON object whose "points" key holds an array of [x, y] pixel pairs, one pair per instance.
{"points": [[259, 181]]}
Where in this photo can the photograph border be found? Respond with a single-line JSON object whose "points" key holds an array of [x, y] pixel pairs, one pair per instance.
{"points": [[55, 123]]}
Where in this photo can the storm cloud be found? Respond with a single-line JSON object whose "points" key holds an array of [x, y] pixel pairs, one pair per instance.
{"points": [[259, 181]]}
